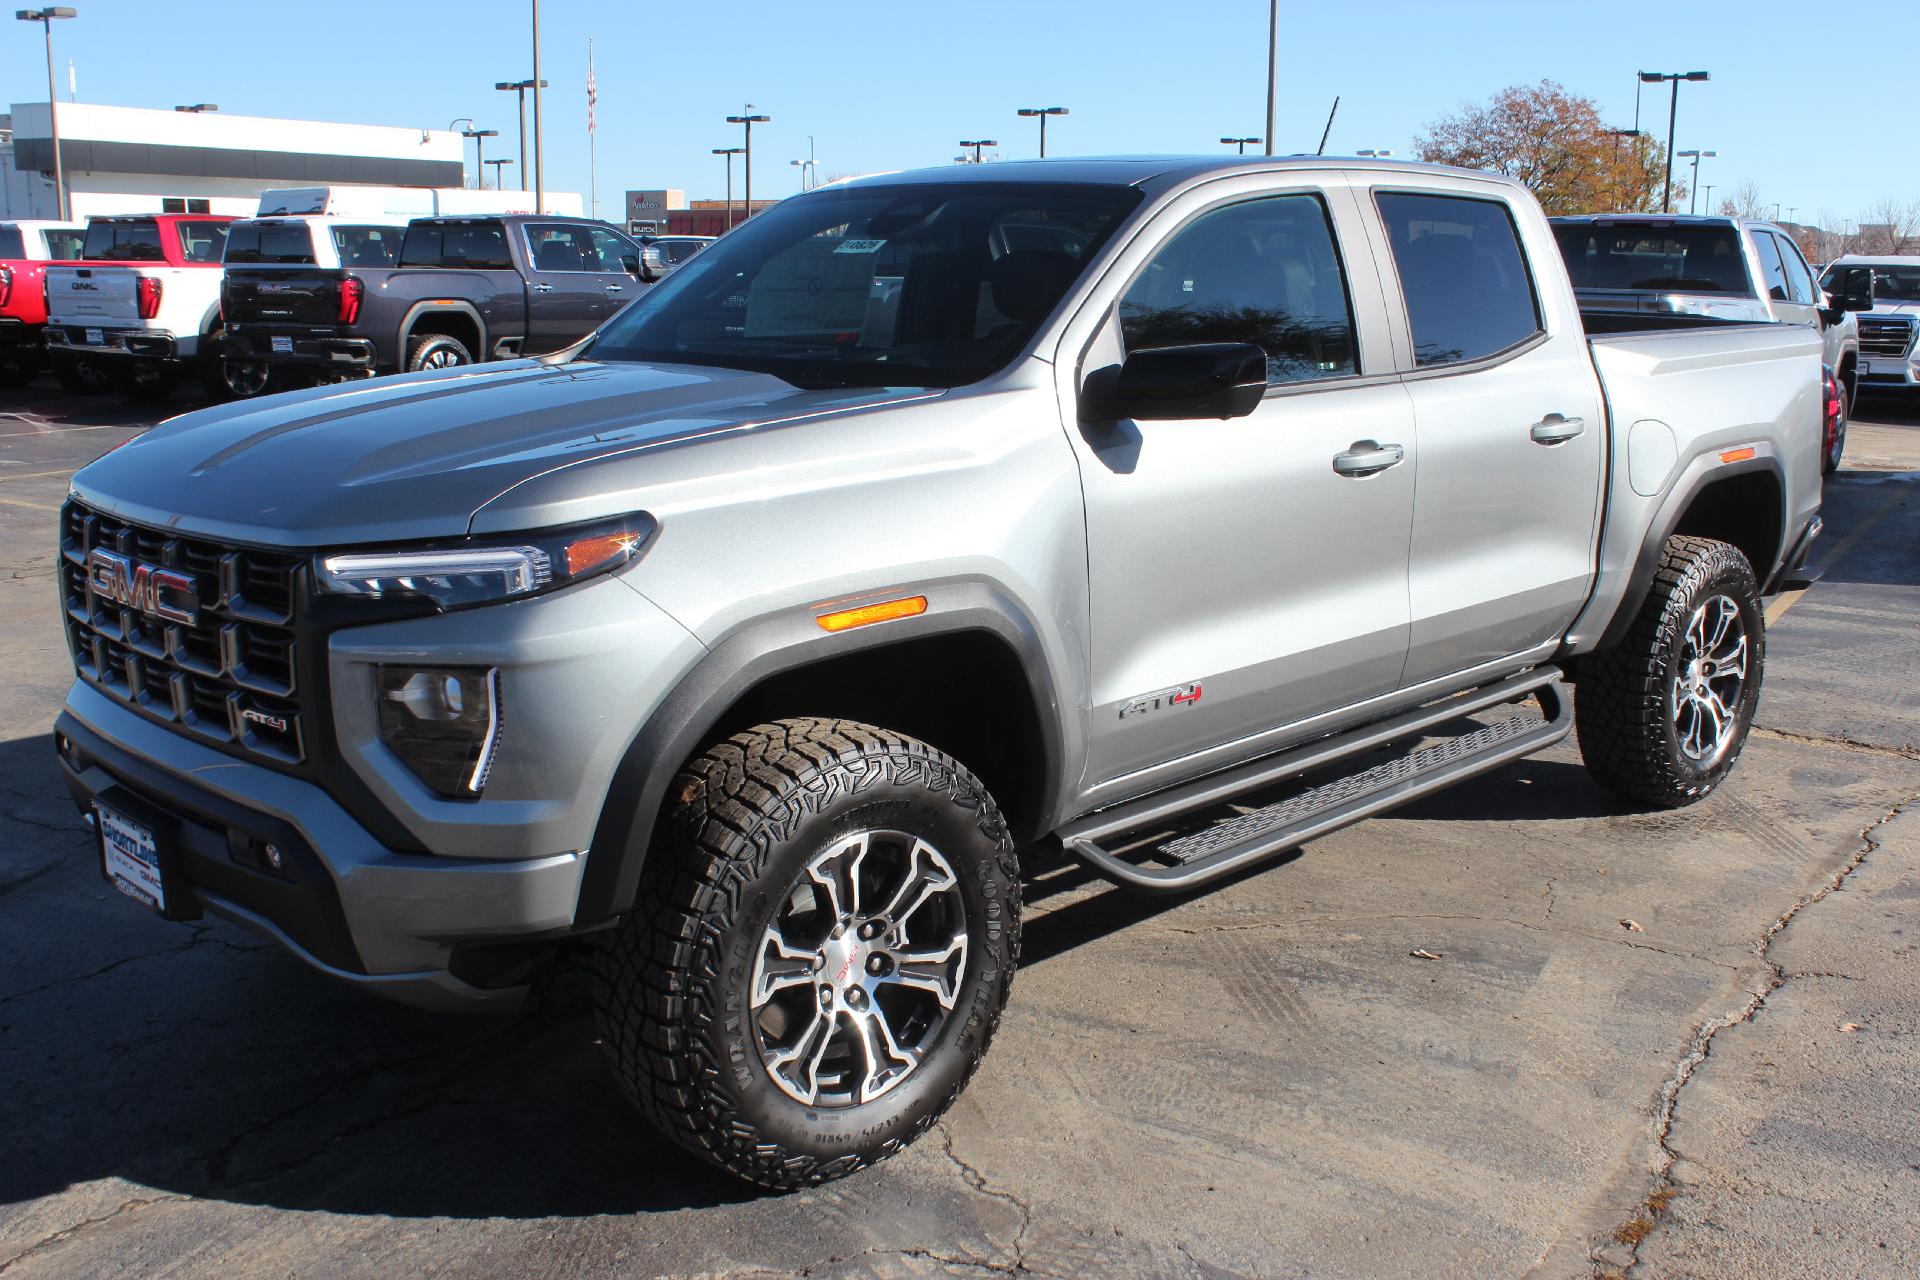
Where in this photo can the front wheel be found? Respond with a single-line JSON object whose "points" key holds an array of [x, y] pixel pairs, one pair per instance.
{"points": [[826, 931], [1836, 430], [1662, 716]]}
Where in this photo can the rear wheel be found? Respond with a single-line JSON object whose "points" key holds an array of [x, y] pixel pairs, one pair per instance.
{"points": [[1663, 715], [437, 351], [827, 928], [1836, 431], [17, 372], [78, 374], [230, 379]]}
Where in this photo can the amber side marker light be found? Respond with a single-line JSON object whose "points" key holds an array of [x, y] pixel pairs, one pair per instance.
{"points": [[1736, 455], [867, 614]]}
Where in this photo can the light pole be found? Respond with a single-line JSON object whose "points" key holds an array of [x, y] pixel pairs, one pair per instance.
{"points": [[1673, 115], [539, 167], [199, 107], [480, 137], [729, 153], [45, 18], [1616, 135], [747, 120], [806, 174], [499, 184], [1273, 73], [1043, 113], [977, 144], [1239, 142], [519, 88], [1709, 197], [1696, 157]]}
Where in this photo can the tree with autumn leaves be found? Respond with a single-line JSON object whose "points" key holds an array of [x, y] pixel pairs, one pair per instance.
{"points": [[1556, 144]]}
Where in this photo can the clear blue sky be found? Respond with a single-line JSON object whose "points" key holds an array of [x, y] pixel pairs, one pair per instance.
{"points": [[896, 85]]}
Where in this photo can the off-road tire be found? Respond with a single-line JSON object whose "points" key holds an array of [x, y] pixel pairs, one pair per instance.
{"points": [[78, 375], [1623, 708], [436, 351], [672, 982], [1832, 450], [17, 373]]}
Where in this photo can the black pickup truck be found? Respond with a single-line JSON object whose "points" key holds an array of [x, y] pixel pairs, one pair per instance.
{"points": [[464, 290]]}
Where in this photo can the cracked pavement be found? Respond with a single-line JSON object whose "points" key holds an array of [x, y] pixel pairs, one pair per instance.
{"points": [[1261, 1081]]}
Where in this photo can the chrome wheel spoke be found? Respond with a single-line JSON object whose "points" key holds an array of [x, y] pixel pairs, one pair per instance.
{"points": [[936, 970], [926, 875], [1725, 615], [797, 1067], [831, 875], [885, 1062], [780, 966]]}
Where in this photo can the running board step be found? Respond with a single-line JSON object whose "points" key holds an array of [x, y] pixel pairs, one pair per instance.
{"points": [[1211, 853]]}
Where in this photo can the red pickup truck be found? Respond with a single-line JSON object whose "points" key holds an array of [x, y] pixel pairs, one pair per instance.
{"points": [[25, 250]]}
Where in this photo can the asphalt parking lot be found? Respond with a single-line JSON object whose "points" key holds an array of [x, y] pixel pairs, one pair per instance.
{"points": [[1671, 1043]]}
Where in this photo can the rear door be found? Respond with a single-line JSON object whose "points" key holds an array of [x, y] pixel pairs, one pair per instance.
{"points": [[569, 289], [1239, 582], [1511, 427]]}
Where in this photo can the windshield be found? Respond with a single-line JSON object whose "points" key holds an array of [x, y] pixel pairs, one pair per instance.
{"points": [[137, 241], [1690, 259], [283, 243], [894, 286], [1890, 284]]}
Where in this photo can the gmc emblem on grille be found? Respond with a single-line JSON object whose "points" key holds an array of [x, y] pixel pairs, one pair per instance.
{"points": [[152, 590]]}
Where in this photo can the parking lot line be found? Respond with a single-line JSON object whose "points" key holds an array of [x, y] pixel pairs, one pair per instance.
{"points": [[37, 506], [1787, 599], [36, 475], [136, 428]]}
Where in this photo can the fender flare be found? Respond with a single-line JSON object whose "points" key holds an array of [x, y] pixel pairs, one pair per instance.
{"points": [[1702, 472], [684, 722], [420, 309]]}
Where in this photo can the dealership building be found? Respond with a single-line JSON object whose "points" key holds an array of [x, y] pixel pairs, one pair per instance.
{"points": [[133, 160]]}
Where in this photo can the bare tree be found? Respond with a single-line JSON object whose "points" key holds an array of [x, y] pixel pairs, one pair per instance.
{"points": [[1890, 226], [1745, 202]]}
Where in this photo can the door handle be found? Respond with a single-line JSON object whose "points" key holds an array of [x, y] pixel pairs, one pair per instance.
{"points": [[1366, 458], [1554, 429], [615, 288], [543, 288]]}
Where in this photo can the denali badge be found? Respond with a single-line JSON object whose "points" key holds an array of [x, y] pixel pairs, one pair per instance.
{"points": [[276, 723], [160, 592], [1181, 695]]}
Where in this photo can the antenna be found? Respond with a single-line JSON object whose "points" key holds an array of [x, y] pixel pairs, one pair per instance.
{"points": [[1329, 129]]}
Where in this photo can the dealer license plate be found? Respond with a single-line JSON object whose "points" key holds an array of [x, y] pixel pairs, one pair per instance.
{"points": [[96, 338], [283, 344], [131, 858]]}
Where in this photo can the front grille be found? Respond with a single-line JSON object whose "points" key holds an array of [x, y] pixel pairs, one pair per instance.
{"points": [[1886, 336], [228, 678]]}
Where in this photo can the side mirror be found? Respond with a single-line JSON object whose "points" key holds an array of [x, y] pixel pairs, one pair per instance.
{"points": [[631, 265], [1202, 380], [1852, 291]]}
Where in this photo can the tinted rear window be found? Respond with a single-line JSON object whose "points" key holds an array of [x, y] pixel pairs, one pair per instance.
{"points": [[289, 243], [123, 242], [12, 243], [368, 246], [1682, 258], [1465, 280], [479, 245]]}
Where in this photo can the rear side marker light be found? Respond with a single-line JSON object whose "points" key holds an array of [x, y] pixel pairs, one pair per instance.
{"points": [[868, 614], [1736, 455]]}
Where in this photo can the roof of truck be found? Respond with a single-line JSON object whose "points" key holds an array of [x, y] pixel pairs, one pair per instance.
{"points": [[1126, 171]]}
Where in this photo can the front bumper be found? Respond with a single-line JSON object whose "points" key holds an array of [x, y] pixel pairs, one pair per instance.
{"points": [[297, 348], [422, 929], [96, 341]]}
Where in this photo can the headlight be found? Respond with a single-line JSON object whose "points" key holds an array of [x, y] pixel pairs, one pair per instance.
{"points": [[443, 723], [483, 571]]}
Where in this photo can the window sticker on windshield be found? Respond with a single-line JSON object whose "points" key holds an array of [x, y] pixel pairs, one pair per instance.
{"points": [[860, 246]]}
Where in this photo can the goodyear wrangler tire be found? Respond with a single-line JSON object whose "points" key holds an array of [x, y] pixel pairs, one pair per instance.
{"points": [[1662, 716], [825, 934]]}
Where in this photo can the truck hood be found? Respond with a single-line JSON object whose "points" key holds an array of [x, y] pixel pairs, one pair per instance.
{"points": [[414, 457]]}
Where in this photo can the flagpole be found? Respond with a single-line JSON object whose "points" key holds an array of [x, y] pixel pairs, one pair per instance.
{"points": [[593, 169]]}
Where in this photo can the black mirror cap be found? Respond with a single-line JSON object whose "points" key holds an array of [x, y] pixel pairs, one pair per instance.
{"points": [[1198, 380], [1853, 290]]}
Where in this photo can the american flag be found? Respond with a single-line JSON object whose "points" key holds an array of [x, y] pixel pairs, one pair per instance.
{"points": [[593, 92]]}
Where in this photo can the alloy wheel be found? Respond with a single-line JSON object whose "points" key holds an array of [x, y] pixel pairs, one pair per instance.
{"points": [[1710, 680]]}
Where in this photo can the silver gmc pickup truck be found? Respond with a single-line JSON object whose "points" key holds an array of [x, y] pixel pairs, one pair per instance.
{"points": [[1161, 514]]}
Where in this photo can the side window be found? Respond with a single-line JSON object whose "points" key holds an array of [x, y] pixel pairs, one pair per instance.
{"points": [[202, 241], [1773, 276], [1799, 279], [613, 253], [555, 246], [64, 244], [1465, 280], [1264, 272]]}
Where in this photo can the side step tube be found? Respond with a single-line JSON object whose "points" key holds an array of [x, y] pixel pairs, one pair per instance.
{"points": [[1231, 846]]}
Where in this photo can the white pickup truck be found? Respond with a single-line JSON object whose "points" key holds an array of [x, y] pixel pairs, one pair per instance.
{"points": [[1889, 356], [147, 322]]}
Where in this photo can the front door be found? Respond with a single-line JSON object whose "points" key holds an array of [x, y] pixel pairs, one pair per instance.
{"points": [[1241, 576], [566, 287]]}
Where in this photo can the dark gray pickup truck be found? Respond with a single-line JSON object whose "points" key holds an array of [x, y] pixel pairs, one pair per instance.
{"points": [[464, 290]]}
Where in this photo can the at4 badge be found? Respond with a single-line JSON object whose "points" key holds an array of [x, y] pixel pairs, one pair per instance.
{"points": [[1181, 695]]}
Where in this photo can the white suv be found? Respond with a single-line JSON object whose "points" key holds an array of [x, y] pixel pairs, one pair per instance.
{"points": [[1888, 360]]}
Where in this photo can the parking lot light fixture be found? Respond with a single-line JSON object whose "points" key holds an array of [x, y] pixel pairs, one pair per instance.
{"points": [[499, 182], [977, 144], [199, 107], [1376, 153], [480, 137], [45, 17], [1240, 142], [1694, 186], [519, 89], [729, 153], [1673, 115], [747, 120], [1043, 113]]}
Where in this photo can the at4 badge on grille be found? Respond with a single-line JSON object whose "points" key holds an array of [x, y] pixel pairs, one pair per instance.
{"points": [[163, 593]]}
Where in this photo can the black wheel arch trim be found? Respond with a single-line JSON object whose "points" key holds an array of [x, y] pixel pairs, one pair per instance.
{"points": [[419, 310], [1707, 470], [772, 646]]}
